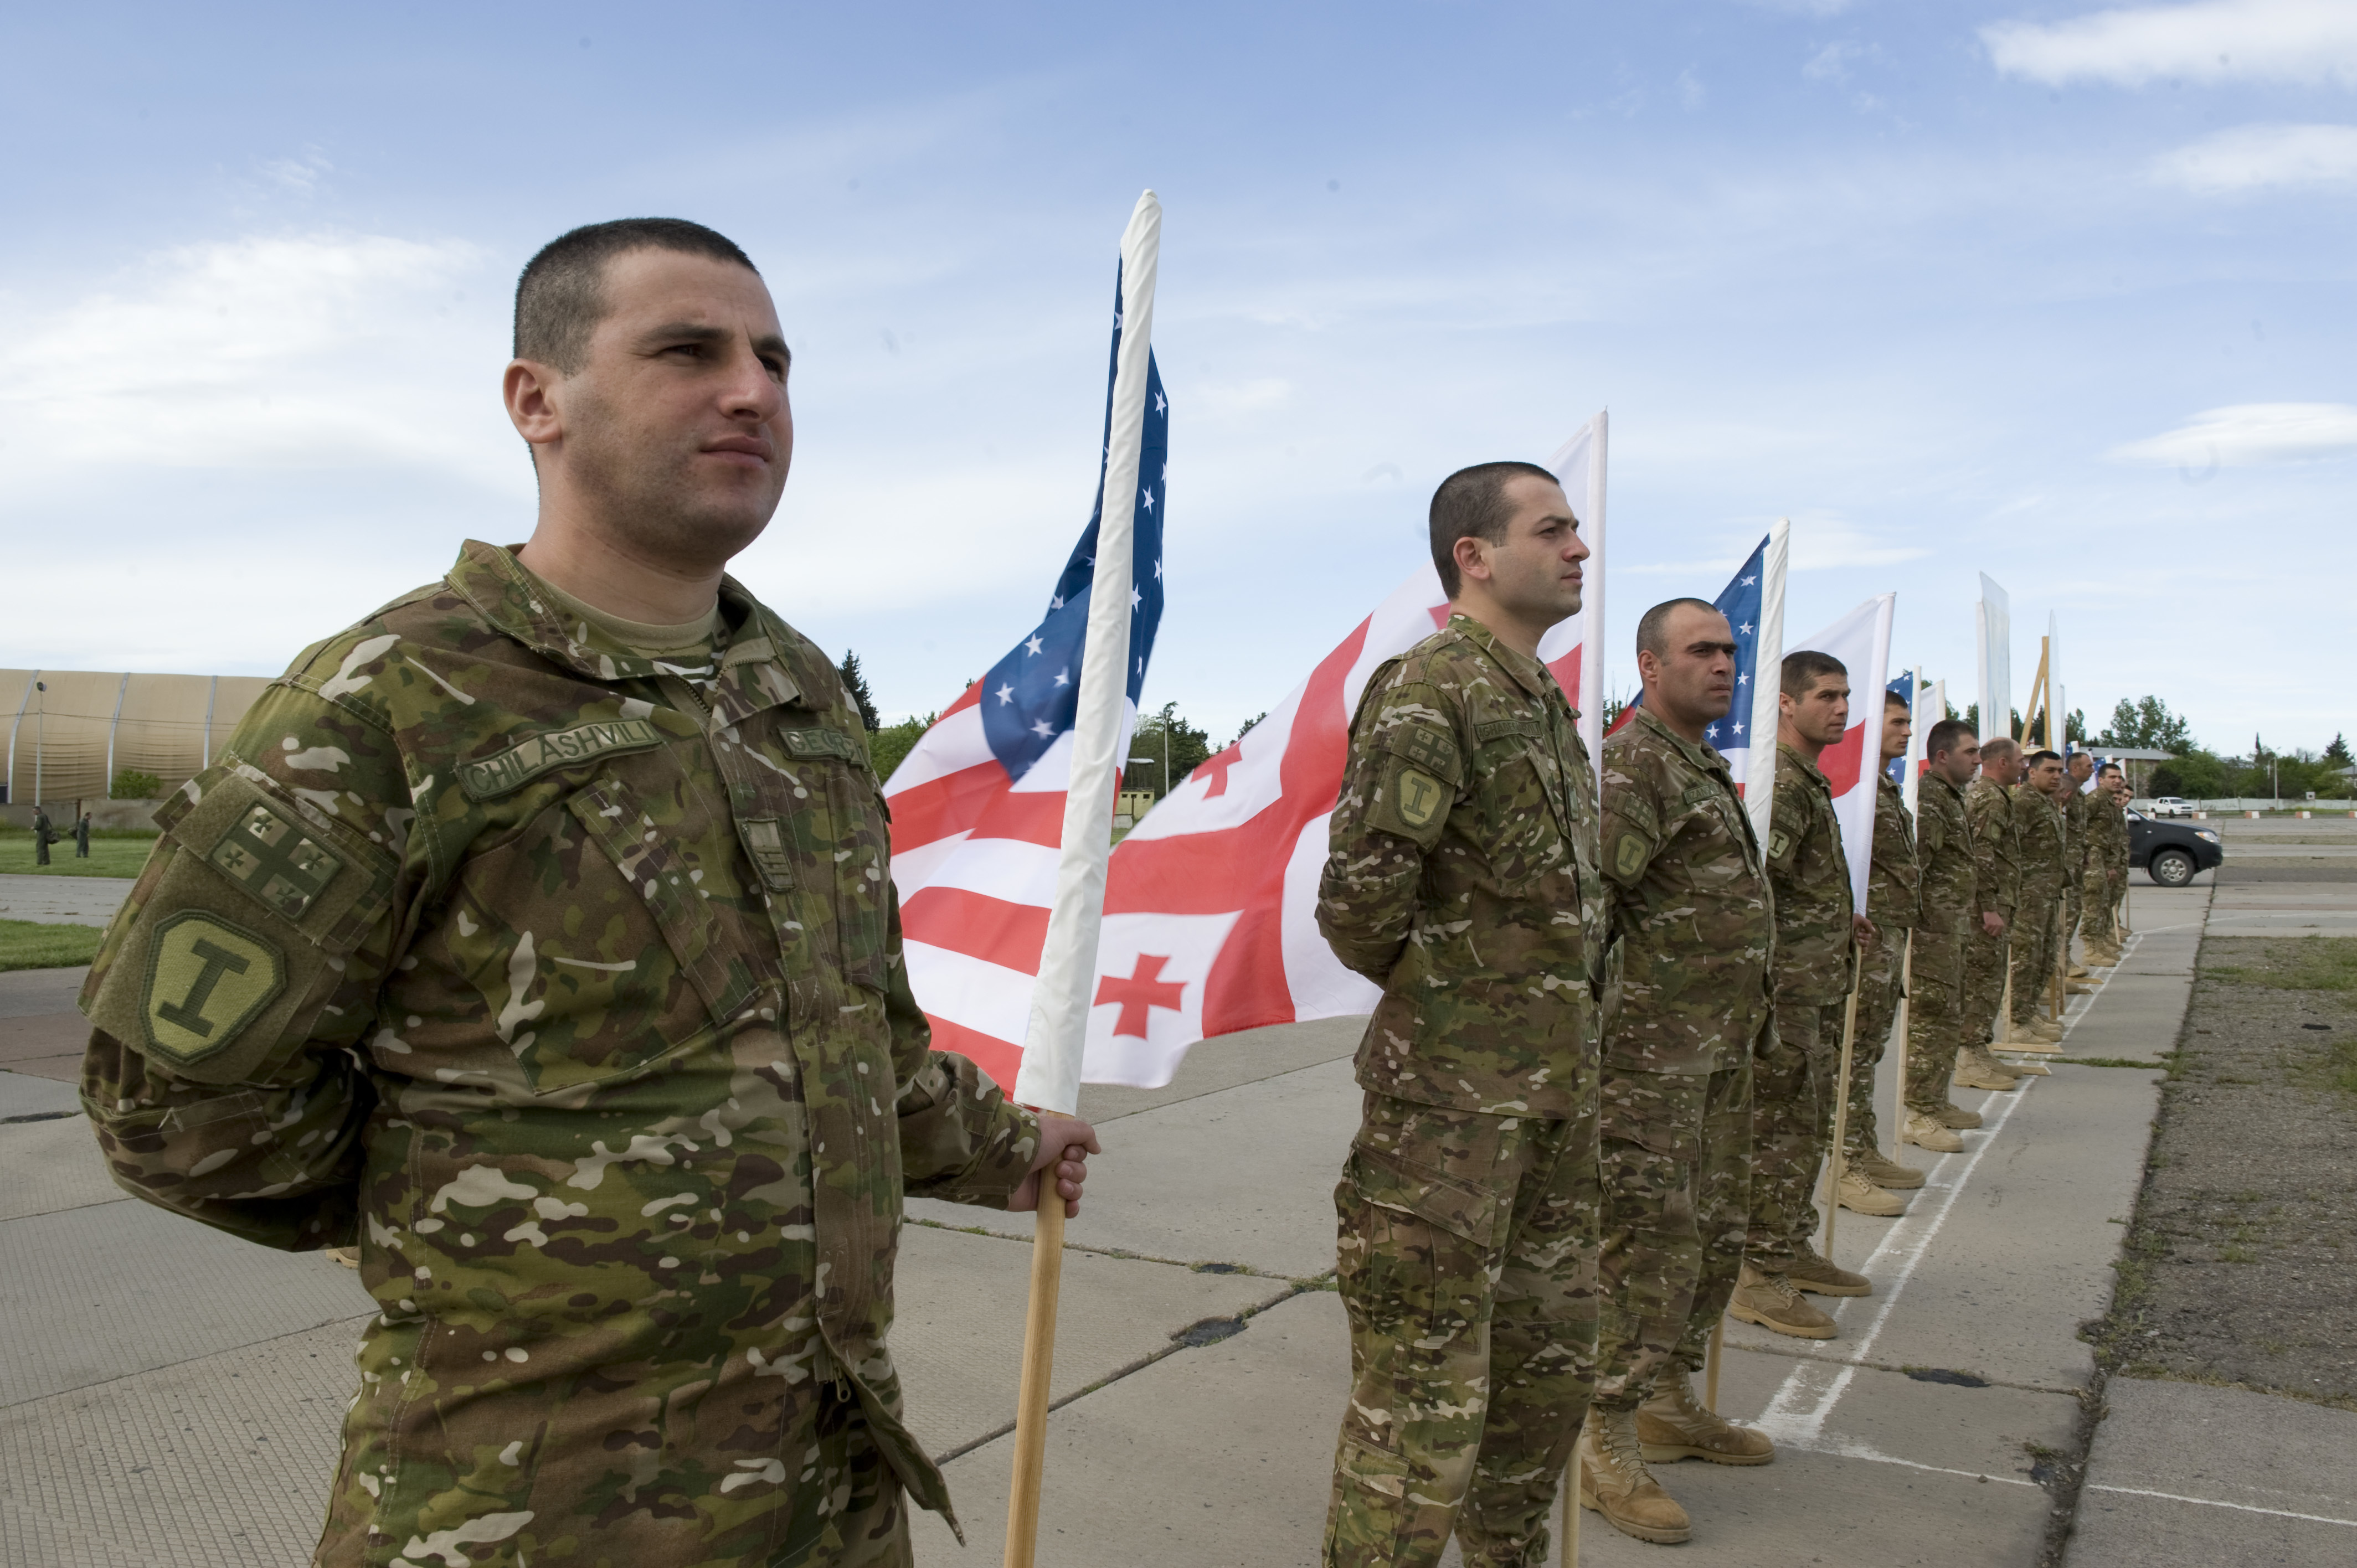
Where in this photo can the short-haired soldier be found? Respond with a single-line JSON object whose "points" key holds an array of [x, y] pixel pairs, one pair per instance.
{"points": [[1818, 932], [1461, 878], [2037, 817], [2107, 839], [1688, 1009], [1997, 844], [1894, 901], [1959, 905], [538, 933]]}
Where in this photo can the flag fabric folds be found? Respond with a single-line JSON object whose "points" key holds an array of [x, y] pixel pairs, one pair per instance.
{"points": [[978, 805], [1861, 641]]}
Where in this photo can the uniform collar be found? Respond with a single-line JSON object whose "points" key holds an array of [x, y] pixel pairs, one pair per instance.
{"points": [[1701, 755], [1803, 762], [753, 675], [1529, 674]]}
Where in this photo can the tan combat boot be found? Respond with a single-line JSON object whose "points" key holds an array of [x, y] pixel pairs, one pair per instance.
{"points": [[1955, 1117], [1813, 1270], [2027, 1069], [1773, 1302], [1860, 1196], [1613, 1481], [2076, 971], [1972, 1073], [1672, 1425], [1869, 1164], [1989, 1065], [1926, 1133]]}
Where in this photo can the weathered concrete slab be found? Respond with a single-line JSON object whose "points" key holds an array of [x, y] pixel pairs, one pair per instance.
{"points": [[27, 1094], [2184, 1473], [51, 1165], [68, 900]]}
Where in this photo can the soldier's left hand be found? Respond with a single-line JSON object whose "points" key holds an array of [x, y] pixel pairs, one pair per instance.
{"points": [[1066, 1143], [1863, 929]]}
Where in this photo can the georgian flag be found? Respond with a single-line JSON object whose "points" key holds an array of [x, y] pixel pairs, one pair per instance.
{"points": [[1861, 641]]}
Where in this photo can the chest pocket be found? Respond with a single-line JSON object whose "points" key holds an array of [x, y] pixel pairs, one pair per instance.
{"points": [[817, 830], [1520, 803], [587, 937]]}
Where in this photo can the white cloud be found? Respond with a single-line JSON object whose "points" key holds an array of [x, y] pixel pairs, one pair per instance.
{"points": [[2247, 157], [2250, 432], [1692, 94], [1831, 63], [2209, 42], [267, 352], [1802, 7]]}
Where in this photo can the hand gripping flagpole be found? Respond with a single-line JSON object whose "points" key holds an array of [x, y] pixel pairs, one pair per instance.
{"points": [[1050, 1077]]}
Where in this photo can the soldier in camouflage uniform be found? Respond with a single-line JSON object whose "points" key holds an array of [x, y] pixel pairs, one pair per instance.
{"points": [[44, 834], [2077, 802], [1691, 933], [1959, 905], [552, 957], [1893, 902], [2108, 844], [1793, 1086], [1997, 848], [1462, 879], [2039, 914]]}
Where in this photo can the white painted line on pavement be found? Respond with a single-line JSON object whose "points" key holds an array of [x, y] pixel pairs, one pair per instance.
{"points": [[1794, 1415], [2215, 1503], [1864, 1451]]}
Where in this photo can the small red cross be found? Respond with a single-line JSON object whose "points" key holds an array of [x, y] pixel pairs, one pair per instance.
{"points": [[1216, 770], [1141, 990]]}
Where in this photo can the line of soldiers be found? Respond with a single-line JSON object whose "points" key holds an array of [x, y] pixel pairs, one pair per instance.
{"points": [[1600, 1085]]}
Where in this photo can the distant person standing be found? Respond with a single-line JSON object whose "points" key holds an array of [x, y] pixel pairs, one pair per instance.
{"points": [[2077, 799], [1894, 903], [2107, 837], [1959, 905], [45, 833], [1692, 926], [81, 837], [1818, 930], [1461, 878], [1996, 845], [2039, 915]]}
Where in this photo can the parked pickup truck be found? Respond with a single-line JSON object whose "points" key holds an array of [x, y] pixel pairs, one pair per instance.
{"points": [[2172, 852], [2171, 806]]}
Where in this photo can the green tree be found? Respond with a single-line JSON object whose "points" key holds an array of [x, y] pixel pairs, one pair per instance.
{"points": [[861, 697], [890, 747], [2196, 774], [1189, 747], [130, 784], [2147, 725], [2075, 726], [1245, 728], [2337, 753]]}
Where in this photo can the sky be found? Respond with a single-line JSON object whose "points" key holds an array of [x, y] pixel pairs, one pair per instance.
{"points": [[2053, 293]]}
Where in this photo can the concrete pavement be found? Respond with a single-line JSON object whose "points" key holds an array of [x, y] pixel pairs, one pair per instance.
{"points": [[66, 900], [174, 1393]]}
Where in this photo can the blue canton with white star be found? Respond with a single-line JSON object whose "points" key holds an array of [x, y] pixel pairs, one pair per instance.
{"points": [[1032, 695], [1903, 689], [1740, 603]]}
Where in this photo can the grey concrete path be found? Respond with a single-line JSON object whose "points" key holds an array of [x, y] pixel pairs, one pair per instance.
{"points": [[70, 900], [171, 1395], [41, 1034]]}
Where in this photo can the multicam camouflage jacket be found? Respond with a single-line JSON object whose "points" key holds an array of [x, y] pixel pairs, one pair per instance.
{"points": [[2107, 836], [2076, 810], [1953, 894], [2041, 824], [1810, 874], [1997, 844], [1894, 895], [574, 995], [1692, 930], [1461, 877]]}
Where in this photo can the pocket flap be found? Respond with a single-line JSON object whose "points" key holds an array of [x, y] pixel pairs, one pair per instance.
{"points": [[611, 818], [1389, 1181]]}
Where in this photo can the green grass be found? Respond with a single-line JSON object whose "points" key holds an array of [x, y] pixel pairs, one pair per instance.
{"points": [[29, 944], [2312, 963], [114, 851]]}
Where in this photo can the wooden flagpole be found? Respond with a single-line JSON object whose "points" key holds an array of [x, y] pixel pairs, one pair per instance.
{"points": [[1841, 1097], [1048, 1076], [1710, 1364], [1900, 1029], [1571, 1509]]}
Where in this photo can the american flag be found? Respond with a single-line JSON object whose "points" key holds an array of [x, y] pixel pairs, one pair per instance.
{"points": [[978, 805], [1740, 602]]}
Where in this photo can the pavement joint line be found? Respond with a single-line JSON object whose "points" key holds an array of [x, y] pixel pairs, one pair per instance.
{"points": [[1865, 1450], [80, 1389], [1199, 1265], [1176, 1345], [1801, 1425], [1799, 1355], [2219, 1503]]}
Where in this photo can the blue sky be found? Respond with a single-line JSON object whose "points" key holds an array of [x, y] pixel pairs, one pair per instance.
{"points": [[2042, 290]]}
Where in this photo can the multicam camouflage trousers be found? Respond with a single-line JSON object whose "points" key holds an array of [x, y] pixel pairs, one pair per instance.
{"points": [[2035, 928], [1466, 1260], [1676, 1157], [580, 1498], [1877, 1012], [1984, 971], [1791, 1124], [1935, 1013], [2074, 912], [2100, 898]]}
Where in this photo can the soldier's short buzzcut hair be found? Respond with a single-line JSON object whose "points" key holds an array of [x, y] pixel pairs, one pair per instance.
{"points": [[2041, 757], [1946, 735], [561, 295], [1804, 669], [1999, 745], [1654, 627], [1471, 504], [2108, 767]]}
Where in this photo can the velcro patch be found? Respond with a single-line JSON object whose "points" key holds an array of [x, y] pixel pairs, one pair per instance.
{"points": [[1628, 856], [1696, 794], [820, 743], [1778, 842], [765, 841], [1420, 795], [1431, 750], [275, 861], [207, 979], [539, 753]]}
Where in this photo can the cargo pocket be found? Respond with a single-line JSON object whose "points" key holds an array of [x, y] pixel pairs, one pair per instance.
{"points": [[1415, 1247]]}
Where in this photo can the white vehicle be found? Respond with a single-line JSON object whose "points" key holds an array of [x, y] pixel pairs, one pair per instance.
{"points": [[2171, 806]]}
